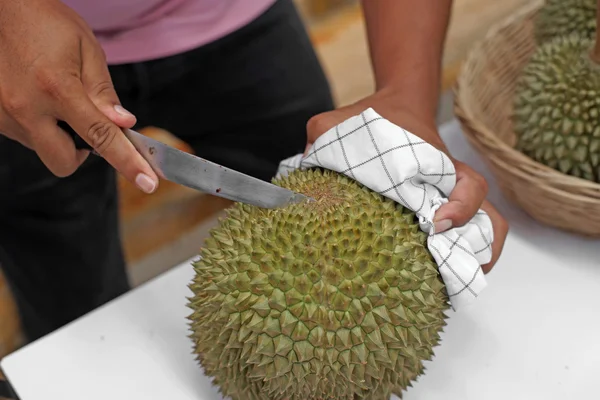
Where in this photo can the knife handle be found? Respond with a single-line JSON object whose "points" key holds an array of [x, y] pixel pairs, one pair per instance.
{"points": [[80, 144]]}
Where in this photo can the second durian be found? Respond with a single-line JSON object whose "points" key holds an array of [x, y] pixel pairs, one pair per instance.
{"points": [[557, 107], [564, 17]]}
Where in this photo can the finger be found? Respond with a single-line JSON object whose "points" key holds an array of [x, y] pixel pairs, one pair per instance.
{"points": [[11, 129], [105, 137], [36, 130], [464, 201], [318, 124], [54, 148], [500, 227], [97, 82]]}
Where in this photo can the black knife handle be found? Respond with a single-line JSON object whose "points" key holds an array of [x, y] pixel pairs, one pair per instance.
{"points": [[80, 144]]}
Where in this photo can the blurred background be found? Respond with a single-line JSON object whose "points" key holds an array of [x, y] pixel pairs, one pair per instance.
{"points": [[167, 228]]}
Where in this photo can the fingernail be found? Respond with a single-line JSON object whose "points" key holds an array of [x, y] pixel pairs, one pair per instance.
{"points": [[145, 183], [443, 225], [123, 111]]}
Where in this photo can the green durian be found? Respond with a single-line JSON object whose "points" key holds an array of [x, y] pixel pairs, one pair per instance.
{"points": [[557, 107], [338, 298], [564, 17]]}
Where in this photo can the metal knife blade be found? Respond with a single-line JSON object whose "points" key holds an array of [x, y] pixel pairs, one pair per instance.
{"points": [[206, 176]]}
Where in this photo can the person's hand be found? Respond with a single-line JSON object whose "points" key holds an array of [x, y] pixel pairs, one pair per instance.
{"points": [[52, 68], [469, 194]]}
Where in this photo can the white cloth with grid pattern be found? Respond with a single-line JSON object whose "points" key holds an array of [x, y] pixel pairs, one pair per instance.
{"points": [[399, 165]]}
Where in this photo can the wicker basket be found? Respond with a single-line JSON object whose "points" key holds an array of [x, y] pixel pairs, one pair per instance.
{"points": [[483, 105]]}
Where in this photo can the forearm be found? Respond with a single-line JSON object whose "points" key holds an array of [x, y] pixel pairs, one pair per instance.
{"points": [[406, 41]]}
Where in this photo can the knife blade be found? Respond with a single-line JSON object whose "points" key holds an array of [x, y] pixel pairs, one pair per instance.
{"points": [[203, 175]]}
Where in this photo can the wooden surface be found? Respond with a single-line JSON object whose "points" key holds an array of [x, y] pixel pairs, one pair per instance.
{"points": [[320, 8], [470, 21], [156, 221], [10, 329], [343, 49]]}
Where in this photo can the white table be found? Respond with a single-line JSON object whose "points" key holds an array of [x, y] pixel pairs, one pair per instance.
{"points": [[540, 342]]}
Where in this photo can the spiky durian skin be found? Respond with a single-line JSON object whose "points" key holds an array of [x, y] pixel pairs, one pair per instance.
{"points": [[556, 110], [564, 17], [335, 299]]}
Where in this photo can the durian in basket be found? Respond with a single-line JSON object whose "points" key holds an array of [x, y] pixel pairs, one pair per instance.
{"points": [[530, 109], [564, 17], [557, 99]]}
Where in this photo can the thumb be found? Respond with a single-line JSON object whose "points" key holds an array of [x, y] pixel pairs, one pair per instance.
{"points": [[98, 116], [108, 140], [103, 95], [98, 84], [319, 124], [464, 201]]}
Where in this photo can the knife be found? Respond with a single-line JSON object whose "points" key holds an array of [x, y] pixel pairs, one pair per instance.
{"points": [[197, 173]]}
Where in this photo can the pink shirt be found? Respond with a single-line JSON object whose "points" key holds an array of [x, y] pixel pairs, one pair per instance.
{"points": [[138, 30]]}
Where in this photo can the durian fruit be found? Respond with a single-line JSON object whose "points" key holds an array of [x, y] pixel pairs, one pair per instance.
{"points": [[563, 17], [557, 107], [338, 298]]}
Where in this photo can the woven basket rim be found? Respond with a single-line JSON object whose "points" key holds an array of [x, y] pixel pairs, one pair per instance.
{"points": [[549, 188], [528, 168]]}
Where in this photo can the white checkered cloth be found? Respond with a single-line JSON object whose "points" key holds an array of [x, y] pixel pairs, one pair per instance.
{"points": [[399, 165]]}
